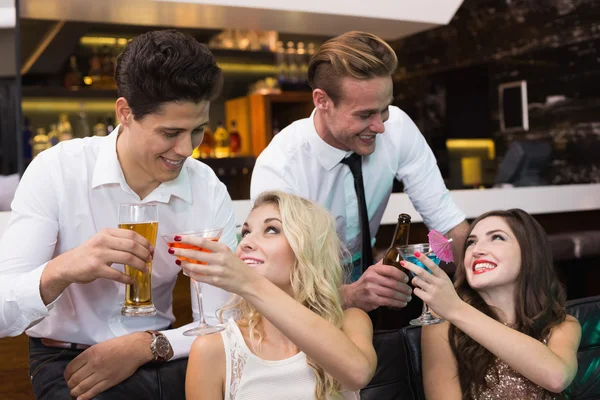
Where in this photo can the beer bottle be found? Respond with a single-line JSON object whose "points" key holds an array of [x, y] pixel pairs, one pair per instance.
{"points": [[385, 318], [392, 256]]}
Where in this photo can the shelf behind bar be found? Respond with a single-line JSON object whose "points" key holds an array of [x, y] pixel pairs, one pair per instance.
{"points": [[60, 92]]}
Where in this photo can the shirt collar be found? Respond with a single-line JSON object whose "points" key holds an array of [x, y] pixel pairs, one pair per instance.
{"points": [[108, 171], [326, 154]]}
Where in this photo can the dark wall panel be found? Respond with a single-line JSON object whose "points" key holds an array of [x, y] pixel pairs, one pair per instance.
{"points": [[9, 129]]}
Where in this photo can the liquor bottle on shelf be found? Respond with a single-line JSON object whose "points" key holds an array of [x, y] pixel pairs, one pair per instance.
{"points": [[40, 142], [235, 141], [196, 152], [65, 130], [53, 135], [206, 149], [254, 40], [115, 51], [27, 138], [293, 67], [221, 142], [95, 71], [227, 40], [240, 39], [100, 128], [281, 64], [268, 41], [107, 67], [110, 124], [73, 77], [82, 126], [303, 60], [310, 50]]}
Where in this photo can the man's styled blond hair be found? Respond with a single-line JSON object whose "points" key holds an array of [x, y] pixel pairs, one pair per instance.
{"points": [[355, 54]]}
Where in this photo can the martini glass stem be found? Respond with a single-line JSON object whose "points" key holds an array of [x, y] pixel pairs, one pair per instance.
{"points": [[426, 315], [198, 287]]}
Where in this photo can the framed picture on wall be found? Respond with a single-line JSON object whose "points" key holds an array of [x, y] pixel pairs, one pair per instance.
{"points": [[514, 115]]}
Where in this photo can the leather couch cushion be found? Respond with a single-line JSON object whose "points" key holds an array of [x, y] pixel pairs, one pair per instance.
{"points": [[391, 379], [586, 385]]}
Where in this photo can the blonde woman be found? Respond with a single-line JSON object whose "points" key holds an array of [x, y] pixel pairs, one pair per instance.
{"points": [[292, 339]]}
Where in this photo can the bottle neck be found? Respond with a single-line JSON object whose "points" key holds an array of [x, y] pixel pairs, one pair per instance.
{"points": [[401, 233]]}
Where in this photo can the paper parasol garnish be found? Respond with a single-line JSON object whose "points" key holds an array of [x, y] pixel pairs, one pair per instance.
{"points": [[441, 246]]}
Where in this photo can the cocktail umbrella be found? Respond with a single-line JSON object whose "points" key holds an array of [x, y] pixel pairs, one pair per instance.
{"points": [[441, 246]]}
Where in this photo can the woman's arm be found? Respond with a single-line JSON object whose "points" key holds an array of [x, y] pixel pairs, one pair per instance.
{"points": [[440, 373], [347, 354], [552, 366], [205, 375]]}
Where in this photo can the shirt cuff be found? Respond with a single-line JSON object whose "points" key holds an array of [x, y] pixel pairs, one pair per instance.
{"points": [[28, 296], [180, 344]]}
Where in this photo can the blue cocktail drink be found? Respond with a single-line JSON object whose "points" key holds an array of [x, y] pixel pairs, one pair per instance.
{"points": [[408, 254], [416, 261]]}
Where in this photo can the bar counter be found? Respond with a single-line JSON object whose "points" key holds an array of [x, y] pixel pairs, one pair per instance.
{"points": [[474, 202]]}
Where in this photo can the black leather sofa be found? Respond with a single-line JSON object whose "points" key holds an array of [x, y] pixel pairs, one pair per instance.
{"points": [[398, 375]]}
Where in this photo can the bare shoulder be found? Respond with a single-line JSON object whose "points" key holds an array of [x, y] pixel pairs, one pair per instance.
{"points": [[209, 348], [571, 320], [570, 327], [205, 375]]}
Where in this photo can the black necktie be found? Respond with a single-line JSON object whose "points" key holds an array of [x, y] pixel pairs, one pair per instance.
{"points": [[355, 164]]}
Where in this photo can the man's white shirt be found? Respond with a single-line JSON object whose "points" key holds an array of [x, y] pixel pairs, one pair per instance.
{"points": [[298, 161], [69, 193]]}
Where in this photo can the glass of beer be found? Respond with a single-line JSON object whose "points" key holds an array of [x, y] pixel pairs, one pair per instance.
{"points": [[212, 234], [142, 219]]}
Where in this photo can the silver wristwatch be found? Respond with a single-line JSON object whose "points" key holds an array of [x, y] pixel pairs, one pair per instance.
{"points": [[160, 346]]}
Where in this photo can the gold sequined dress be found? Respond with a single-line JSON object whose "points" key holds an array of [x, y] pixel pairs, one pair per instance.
{"points": [[505, 383], [509, 384]]}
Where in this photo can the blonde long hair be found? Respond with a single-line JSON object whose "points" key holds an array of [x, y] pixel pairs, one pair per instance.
{"points": [[315, 277]]}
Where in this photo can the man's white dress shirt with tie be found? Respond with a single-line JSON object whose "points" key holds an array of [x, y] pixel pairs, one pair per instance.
{"points": [[298, 161]]}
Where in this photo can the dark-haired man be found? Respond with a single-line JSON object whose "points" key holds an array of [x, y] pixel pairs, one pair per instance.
{"points": [[61, 258]]}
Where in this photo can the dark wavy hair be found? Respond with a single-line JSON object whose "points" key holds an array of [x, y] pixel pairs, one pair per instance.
{"points": [[540, 303], [166, 66]]}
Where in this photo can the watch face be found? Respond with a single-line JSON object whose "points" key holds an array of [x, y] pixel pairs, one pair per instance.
{"points": [[162, 346]]}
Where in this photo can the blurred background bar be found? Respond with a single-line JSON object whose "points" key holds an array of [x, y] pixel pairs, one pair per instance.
{"points": [[506, 93]]}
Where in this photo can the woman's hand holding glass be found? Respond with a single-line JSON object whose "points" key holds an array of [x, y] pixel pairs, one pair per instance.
{"points": [[435, 288], [222, 267]]}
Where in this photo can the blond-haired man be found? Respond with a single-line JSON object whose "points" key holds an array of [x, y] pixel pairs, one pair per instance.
{"points": [[351, 78]]}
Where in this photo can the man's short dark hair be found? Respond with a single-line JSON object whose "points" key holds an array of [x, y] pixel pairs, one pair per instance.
{"points": [[166, 66]]}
